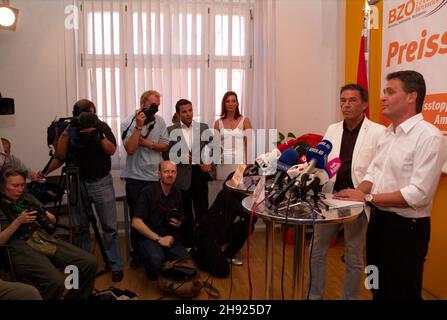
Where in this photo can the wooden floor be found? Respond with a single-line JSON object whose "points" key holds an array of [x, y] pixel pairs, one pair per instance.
{"points": [[236, 285]]}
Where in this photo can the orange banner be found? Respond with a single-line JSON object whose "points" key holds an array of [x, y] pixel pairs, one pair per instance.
{"points": [[435, 110]]}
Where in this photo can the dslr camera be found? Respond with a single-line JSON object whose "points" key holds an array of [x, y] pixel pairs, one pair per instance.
{"points": [[176, 214], [42, 219], [150, 112]]}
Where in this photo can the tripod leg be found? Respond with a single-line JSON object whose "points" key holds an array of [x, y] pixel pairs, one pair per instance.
{"points": [[82, 203]]}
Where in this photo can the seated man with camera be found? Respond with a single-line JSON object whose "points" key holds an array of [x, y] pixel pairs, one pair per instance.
{"points": [[88, 143], [157, 219], [26, 227]]}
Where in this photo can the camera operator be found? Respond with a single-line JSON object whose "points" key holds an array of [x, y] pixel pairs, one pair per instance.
{"points": [[21, 218], [89, 143], [145, 137], [157, 219]]}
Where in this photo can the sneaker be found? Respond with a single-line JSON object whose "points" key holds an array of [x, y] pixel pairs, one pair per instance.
{"points": [[235, 262], [117, 276]]}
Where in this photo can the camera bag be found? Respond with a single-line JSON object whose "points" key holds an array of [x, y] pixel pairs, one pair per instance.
{"points": [[42, 242], [180, 277]]}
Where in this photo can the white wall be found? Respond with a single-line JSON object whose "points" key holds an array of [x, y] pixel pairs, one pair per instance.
{"points": [[310, 64], [32, 71]]}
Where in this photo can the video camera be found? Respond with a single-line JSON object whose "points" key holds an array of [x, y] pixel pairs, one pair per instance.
{"points": [[55, 129]]}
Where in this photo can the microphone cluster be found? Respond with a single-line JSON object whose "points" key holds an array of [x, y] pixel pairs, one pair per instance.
{"points": [[311, 175]]}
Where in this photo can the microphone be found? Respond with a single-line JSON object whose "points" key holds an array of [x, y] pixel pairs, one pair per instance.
{"points": [[326, 174], [287, 159], [297, 170], [332, 167], [316, 158], [264, 164]]}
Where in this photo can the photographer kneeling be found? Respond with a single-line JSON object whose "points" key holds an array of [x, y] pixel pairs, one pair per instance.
{"points": [[158, 219], [26, 228], [88, 143]]}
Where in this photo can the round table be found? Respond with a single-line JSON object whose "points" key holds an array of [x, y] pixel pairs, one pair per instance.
{"points": [[299, 215]]}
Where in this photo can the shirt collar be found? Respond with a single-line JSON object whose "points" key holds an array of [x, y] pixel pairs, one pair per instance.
{"points": [[184, 126], [160, 190], [356, 129], [408, 124]]}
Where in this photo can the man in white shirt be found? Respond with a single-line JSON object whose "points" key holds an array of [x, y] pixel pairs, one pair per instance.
{"points": [[185, 150], [354, 140], [399, 186]]}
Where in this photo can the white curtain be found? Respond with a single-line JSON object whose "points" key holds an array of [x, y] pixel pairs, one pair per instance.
{"points": [[193, 49]]}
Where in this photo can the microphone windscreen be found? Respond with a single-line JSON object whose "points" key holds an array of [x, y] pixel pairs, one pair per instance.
{"points": [[319, 153], [333, 166], [288, 158]]}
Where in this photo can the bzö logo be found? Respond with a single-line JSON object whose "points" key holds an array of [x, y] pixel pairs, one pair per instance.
{"points": [[401, 12], [72, 279]]}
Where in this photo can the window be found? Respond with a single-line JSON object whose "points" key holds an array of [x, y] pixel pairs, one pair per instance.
{"points": [[184, 49]]}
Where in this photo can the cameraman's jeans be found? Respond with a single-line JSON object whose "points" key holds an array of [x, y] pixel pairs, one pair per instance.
{"points": [[101, 194], [354, 234]]}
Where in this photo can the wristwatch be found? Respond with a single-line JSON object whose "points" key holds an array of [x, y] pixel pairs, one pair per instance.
{"points": [[157, 239], [369, 199]]}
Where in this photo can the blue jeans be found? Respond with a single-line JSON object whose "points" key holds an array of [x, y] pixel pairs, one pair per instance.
{"points": [[101, 194], [153, 254], [354, 233]]}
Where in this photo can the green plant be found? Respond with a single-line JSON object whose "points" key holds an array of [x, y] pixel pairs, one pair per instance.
{"points": [[282, 137]]}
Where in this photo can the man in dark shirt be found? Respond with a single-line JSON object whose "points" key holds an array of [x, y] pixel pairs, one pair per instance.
{"points": [[89, 144], [157, 218], [354, 140]]}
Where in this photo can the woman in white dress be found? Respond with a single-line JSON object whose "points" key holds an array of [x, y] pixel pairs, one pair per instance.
{"points": [[231, 126]]}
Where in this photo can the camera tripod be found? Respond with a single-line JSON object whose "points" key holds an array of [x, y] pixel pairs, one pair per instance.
{"points": [[75, 201]]}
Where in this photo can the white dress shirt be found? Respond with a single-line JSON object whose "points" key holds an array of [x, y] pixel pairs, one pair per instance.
{"points": [[187, 133], [409, 159]]}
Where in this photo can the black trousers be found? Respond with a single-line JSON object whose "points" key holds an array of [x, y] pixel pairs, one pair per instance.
{"points": [[195, 197], [133, 190], [397, 246]]}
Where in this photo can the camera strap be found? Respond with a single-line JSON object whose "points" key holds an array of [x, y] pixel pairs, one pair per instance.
{"points": [[123, 136]]}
